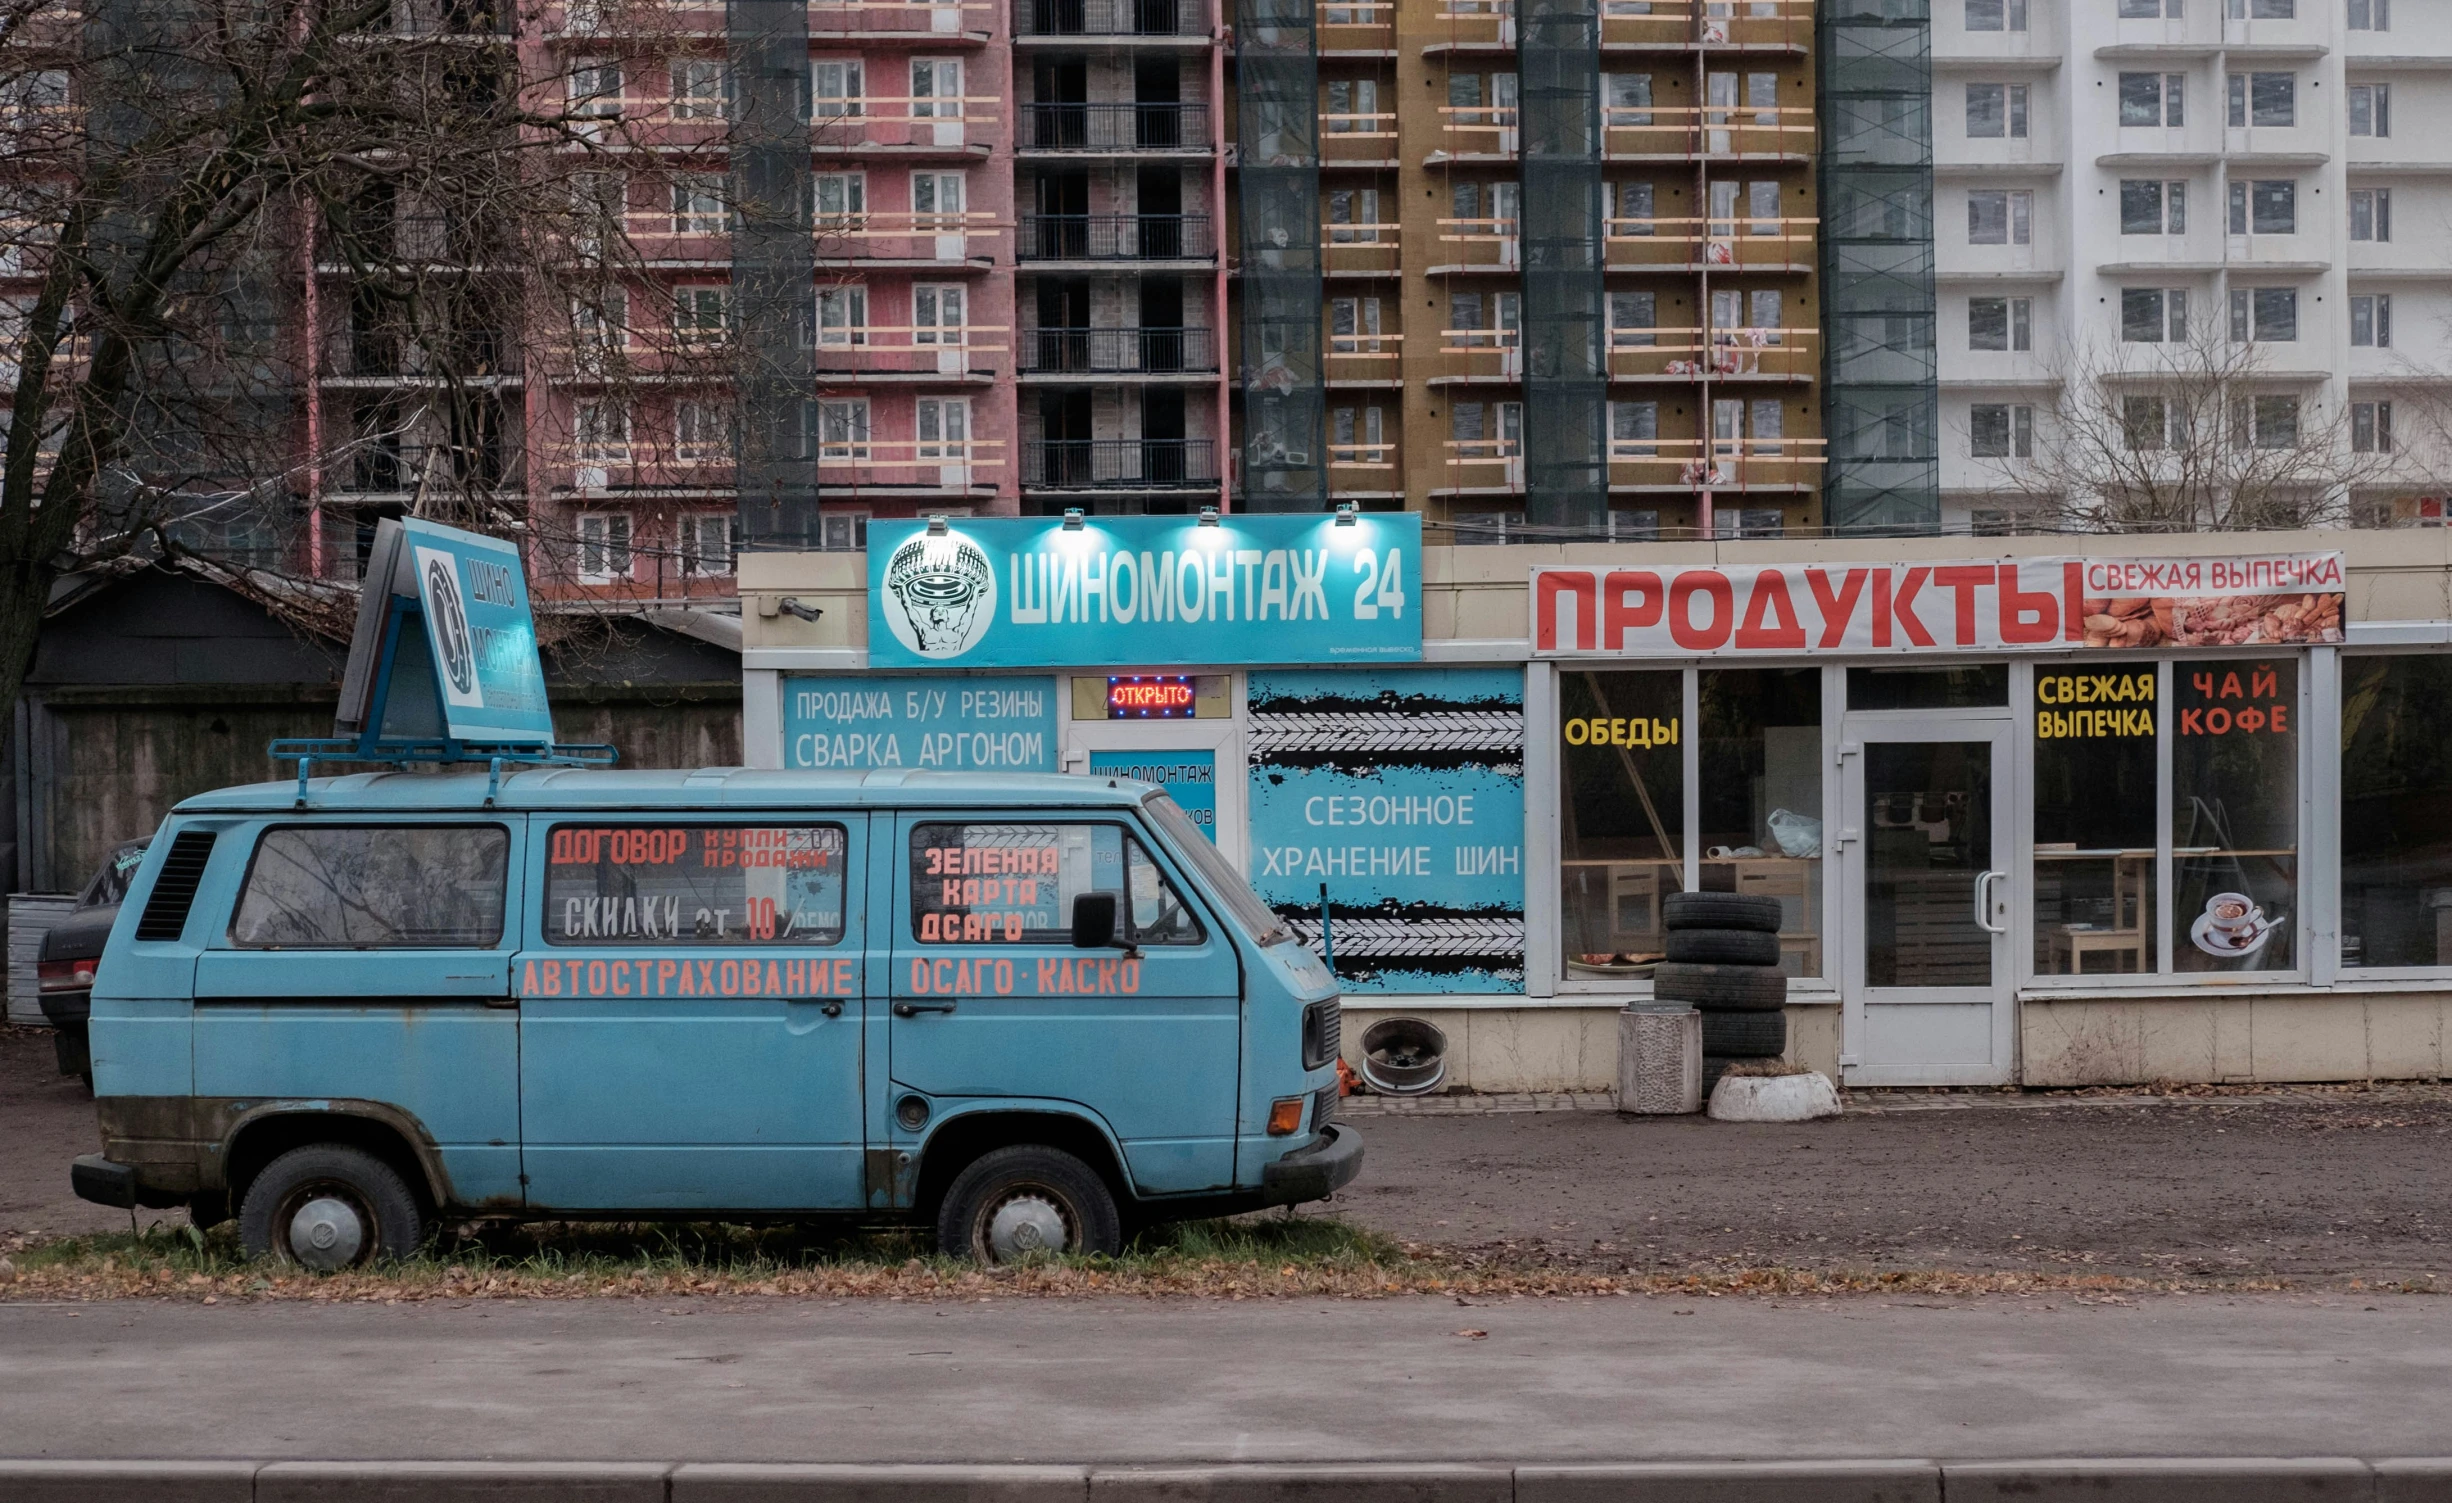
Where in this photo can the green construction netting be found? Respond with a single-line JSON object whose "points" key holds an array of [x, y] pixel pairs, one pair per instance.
{"points": [[1285, 457], [774, 272], [1566, 383]]}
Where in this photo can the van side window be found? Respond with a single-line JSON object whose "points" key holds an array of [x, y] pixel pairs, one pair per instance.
{"points": [[374, 887], [1014, 884], [631, 884]]}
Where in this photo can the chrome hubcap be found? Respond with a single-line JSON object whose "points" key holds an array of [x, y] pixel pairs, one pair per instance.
{"points": [[327, 1233], [1025, 1224]]}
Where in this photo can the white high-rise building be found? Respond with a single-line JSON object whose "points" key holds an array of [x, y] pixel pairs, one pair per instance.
{"points": [[2114, 177]]}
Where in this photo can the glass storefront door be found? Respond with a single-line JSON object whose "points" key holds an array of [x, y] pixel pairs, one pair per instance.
{"points": [[1925, 850]]}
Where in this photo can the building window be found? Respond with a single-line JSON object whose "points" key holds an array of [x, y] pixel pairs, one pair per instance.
{"points": [[1634, 430], [600, 322], [1996, 15], [1355, 436], [594, 88], [937, 317], [2235, 814], [2154, 315], [707, 543], [1629, 97], [698, 89], [837, 86], [1631, 211], [2148, 10], [2267, 206], [842, 429], [702, 315], [2370, 109], [2396, 786], [2264, 99], [2094, 883], [698, 204], [944, 428], [842, 316], [1353, 216], [700, 432], [601, 432], [2000, 217], [1353, 106], [2000, 323], [1996, 110], [2371, 15], [2146, 424], [1634, 318], [2265, 422], [842, 200], [2001, 431], [2149, 207], [604, 546], [2156, 99], [2371, 320], [2371, 213], [844, 532], [2371, 427], [2264, 315]]}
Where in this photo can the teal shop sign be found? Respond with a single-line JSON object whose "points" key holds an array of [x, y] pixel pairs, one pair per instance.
{"points": [[1117, 591], [473, 593]]}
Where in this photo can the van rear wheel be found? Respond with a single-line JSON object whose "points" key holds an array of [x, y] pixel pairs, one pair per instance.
{"points": [[1027, 1199], [326, 1208]]}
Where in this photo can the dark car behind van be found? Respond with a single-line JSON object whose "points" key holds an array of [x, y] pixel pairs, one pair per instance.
{"points": [[72, 949]]}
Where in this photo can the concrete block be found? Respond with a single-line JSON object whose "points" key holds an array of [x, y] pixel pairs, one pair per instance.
{"points": [[1305, 1484], [1753, 1482], [2250, 1479], [2309, 1038], [2405, 1037], [461, 1482], [738, 1482], [2414, 1479], [1813, 1037], [1537, 1049], [127, 1481], [2182, 1039], [2080, 1043]]}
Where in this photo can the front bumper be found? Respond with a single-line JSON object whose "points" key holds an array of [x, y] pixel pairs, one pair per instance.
{"points": [[117, 1185], [1316, 1172]]}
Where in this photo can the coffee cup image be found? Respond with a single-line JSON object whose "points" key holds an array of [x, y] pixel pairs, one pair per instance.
{"points": [[2232, 924]]}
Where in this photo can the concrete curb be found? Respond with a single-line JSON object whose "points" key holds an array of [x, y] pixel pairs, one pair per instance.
{"points": [[2049, 1480]]}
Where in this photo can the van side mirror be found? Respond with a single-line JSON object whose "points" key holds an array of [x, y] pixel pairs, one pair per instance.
{"points": [[1094, 921]]}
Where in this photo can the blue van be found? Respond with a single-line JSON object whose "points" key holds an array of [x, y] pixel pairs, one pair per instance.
{"points": [[1031, 1012]]}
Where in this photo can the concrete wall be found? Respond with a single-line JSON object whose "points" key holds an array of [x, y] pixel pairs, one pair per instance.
{"points": [[1493, 1049], [2345, 1036]]}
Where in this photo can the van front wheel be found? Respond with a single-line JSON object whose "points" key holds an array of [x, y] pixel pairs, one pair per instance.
{"points": [[1027, 1199], [326, 1208]]}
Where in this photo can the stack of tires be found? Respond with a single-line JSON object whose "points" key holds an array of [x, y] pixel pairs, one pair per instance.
{"points": [[1723, 961]]}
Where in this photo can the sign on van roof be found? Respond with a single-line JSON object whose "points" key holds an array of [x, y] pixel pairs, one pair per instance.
{"points": [[466, 666], [1145, 591]]}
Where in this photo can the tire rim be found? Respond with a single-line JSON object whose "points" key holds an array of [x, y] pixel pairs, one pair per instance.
{"points": [[1023, 1221], [325, 1228]]}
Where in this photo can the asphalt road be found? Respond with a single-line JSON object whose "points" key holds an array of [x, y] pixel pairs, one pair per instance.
{"points": [[2353, 1186], [1144, 1381]]}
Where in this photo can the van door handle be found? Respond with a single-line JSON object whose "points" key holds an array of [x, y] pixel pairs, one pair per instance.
{"points": [[914, 1009], [502, 1001]]}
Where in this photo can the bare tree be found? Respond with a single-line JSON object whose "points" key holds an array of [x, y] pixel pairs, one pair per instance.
{"points": [[2194, 433]]}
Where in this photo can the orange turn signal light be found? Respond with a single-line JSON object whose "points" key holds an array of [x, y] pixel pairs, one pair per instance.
{"points": [[1285, 1116]]}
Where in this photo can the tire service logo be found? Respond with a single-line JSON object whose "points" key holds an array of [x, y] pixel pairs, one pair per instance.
{"points": [[940, 595], [455, 647]]}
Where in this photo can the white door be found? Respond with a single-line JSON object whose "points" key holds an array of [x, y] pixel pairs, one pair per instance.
{"points": [[1925, 863], [1198, 761]]}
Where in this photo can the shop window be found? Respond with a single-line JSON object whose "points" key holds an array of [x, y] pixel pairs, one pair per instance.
{"points": [[1759, 771], [2094, 878], [2396, 811], [2235, 815], [1622, 797], [1978, 686]]}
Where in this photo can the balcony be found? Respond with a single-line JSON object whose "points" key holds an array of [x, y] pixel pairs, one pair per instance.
{"points": [[1121, 352], [379, 467], [1358, 140], [904, 127], [1115, 237], [1362, 250], [1684, 244], [905, 236], [1116, 129], [884, 18], [1036, 19], [939, 351], [1649, 134], [1368, 26], [1786, 25], [376, 357], [1120, 464], [1716, 354], [1365, 358], [1687, 464]]}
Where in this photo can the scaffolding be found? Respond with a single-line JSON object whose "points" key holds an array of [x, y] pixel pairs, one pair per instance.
{"points": [[1566, 380], [1285, 452], [1881, 394], [774, 274]]}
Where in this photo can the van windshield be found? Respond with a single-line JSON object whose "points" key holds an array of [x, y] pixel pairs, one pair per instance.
{"points": [[1253, 915]]}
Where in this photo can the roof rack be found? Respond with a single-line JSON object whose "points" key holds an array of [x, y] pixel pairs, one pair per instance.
{"points": [[311, 752]]}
